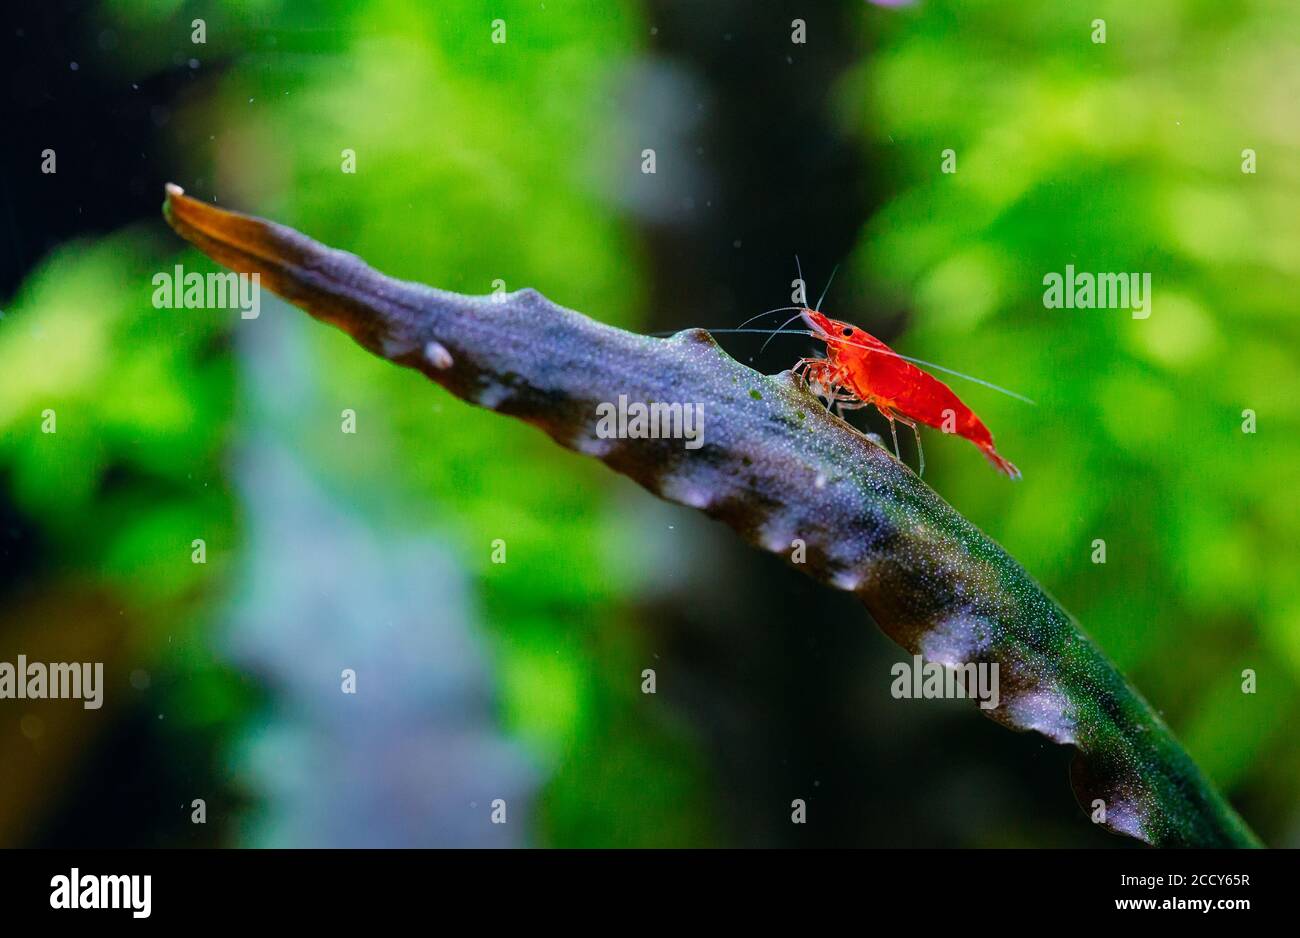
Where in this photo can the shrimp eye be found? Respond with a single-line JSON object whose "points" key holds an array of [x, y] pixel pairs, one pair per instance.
{"points": [[848, 332]]}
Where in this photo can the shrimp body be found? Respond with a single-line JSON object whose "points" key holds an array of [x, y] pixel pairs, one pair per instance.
{"points": [[860, 370]]}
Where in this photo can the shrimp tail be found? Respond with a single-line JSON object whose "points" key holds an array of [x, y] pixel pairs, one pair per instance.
{"points": [[1001, 464]]}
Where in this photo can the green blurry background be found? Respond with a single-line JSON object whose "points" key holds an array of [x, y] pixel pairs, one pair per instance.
{"points": [[521, 161]]}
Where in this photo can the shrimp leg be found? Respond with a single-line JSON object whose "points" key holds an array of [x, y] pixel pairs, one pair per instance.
{"points": [[891, 415], [893, 430], [818, 374], [848, 401], [920, 453]]}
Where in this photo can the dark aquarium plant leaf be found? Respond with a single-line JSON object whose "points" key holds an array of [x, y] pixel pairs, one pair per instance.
{"points": [[776, 467]]}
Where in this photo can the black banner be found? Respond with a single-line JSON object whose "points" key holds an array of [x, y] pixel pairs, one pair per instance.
{"points": [[331, 887]]}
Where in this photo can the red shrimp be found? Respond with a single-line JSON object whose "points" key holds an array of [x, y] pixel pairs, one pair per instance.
{"points": [[859, 370]]}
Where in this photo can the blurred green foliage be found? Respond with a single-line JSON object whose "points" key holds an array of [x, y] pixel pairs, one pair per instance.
{"points": [[455, 145], [130, 471], [1122, 156]]}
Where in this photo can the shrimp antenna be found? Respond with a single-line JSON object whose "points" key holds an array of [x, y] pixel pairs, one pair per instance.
{"points": [[777, 330], [834, 270], [766, 312], [958, 374], [777, 309]]}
